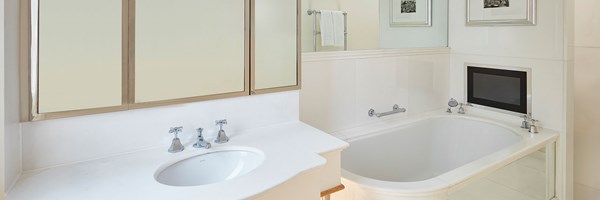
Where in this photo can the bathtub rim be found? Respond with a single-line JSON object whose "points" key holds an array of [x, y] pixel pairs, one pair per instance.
{"points": [[453, 179]]}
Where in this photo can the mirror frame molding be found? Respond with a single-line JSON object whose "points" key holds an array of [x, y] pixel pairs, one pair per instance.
{"points": [[132, 101], [298, 85], [29, 71], [29, 81]]}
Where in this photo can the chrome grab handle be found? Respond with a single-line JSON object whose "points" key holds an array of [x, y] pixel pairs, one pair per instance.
{"points": [[395, 110]]}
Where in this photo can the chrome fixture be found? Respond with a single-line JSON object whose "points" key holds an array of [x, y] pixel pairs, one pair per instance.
{"points": [[316, 32], [533, 128], [525, 124], [221, 137], [176, 145], [201, 143], [461, 109], [395, 110], [451, 103]]}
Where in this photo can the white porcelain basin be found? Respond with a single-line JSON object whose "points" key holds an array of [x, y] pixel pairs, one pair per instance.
{"points": [[210, 168]]}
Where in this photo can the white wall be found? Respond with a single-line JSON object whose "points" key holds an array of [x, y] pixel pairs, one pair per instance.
{"points": [[340, 88], [12, 141], [68, 140], [540, 48], [405, 37], [2, 160], [587, 82]]}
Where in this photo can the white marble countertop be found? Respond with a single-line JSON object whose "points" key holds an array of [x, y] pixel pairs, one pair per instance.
{"points": [[289, 149]]}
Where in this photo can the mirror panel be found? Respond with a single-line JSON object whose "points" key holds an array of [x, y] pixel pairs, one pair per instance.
{"points": [[189, 48], [379, 24], [275, 44], [80, 57]]}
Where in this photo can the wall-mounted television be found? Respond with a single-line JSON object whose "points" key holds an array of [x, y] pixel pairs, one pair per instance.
{"points": [[501, 88]]}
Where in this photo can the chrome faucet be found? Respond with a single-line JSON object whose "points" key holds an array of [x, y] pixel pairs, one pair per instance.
{"points": [[461, 109], [221, 137], [201, 143], [533, 128], [176, 145], [525, 124], [451, 104], [529, 123]]}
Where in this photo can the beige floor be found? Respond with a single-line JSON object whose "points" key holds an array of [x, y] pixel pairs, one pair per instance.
{"points": [[524, 179]]}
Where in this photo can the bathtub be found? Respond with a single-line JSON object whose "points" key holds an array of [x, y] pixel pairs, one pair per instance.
{"points": [[426, 158]]}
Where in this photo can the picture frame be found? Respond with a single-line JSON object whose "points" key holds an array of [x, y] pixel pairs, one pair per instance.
{"points": [[501, 12], [410, 13]]}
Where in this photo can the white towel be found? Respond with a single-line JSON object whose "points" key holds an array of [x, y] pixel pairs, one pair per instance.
{"points": [[332, 28]]}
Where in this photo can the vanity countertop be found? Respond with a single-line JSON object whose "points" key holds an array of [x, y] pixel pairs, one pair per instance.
{"points": [[289, 149]]}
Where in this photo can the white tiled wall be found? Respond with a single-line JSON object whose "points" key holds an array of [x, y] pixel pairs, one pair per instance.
{"points": [[2, 155], [61, 141], [12, 139], [587, 113], [540, 48], [338, 93]]}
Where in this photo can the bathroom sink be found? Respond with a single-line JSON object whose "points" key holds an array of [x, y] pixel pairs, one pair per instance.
{"points": [[209, 168]]}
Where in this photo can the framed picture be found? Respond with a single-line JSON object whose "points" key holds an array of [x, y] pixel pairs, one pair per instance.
{"points": [[501, 12], [410, 13]]}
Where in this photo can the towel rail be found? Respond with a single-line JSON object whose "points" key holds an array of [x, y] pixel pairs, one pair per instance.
{"points": [[316, 32]]}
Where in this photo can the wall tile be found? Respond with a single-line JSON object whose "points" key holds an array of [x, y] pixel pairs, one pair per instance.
{"points": [[587, 19], [380, 83], [419, 83], [327, 95], [583, 192], [587, 116], [544, 40]]}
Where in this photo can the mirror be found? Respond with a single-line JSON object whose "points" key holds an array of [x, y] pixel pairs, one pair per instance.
{"points": [[95, 56], [183, 51], [275, 45], [374, 24], [79, 54]]}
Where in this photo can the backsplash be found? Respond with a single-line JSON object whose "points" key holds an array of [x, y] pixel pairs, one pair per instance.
{"points": [[338, 93], [62, 141]]}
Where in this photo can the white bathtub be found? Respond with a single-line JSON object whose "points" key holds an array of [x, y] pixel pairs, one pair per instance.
{"points": [[427, 158]]}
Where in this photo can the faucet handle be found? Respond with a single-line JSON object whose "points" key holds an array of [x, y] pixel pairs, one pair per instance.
{"points": [[176, 130], [533, 121], [176, 145], [461, 110], [452, 103], [533, 128], [525, 124], [220, 123]]}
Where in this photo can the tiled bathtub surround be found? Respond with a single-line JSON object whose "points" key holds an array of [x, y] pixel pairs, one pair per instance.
{"points": [[542, 48], [339, 88]]}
